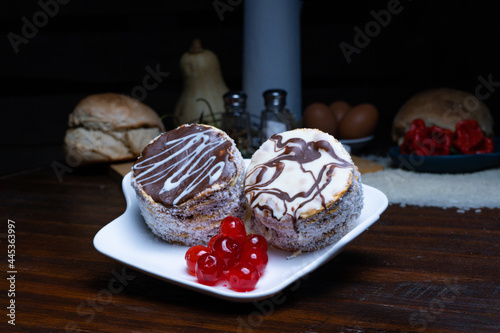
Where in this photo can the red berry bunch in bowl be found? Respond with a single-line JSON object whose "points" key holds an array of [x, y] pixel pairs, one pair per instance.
{"points": [[231, 254], [468, 138]]}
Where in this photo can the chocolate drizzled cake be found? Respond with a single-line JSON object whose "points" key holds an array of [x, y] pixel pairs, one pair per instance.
{"points": [[187, 180], [303, 190]]}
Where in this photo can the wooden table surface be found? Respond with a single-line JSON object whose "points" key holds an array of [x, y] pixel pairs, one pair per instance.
{"points": [[416, 270]]}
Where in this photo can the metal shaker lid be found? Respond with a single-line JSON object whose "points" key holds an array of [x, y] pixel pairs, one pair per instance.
{"points": [[274, 97], [235, 99]]}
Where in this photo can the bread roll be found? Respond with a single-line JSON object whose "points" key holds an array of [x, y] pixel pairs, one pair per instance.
{"points": [[110, 127], [441, 107]]}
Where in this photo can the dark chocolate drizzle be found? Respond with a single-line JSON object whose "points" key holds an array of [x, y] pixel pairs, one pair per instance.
{"points": [[183, 162], [301, 152]]}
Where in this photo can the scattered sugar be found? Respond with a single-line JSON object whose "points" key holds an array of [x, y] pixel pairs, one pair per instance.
{"points": [[462, 191]]}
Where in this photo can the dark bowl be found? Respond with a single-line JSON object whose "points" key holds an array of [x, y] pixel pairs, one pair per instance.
{"points": [[448, 163]]}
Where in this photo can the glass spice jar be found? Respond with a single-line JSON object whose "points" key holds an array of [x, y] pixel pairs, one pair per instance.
{"points": [[275, 118], [236, 121]]}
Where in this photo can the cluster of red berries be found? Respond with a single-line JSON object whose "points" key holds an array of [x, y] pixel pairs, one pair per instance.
{"points": [[232, 254]]}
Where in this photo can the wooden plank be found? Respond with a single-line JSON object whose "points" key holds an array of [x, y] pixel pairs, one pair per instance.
{"points": [[366, 166], [120, 169], [416, 269]]}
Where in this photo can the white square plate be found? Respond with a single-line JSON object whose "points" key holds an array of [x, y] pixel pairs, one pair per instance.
{"points": [[128, 240]]}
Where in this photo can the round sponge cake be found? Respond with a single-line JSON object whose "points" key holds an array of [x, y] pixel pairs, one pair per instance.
{"points": [[187, 180], [303, 190]]}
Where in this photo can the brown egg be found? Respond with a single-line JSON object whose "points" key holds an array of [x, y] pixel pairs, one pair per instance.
{"points": [[358, 122], [320, 116], [340, 108]]}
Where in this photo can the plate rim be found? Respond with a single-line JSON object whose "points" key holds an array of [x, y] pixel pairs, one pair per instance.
{"points": [[229, 294], [359, 140]]}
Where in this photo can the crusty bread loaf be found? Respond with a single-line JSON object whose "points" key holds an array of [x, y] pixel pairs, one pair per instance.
{"points": [[441, 107], [110, 127], [187, 181], [303, 190]]}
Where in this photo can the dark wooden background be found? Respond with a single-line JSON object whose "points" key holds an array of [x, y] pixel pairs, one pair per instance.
{"points": [[97, 46]]}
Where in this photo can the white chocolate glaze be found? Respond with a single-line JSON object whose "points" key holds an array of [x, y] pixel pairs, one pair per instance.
{"points": [[298, 173]]}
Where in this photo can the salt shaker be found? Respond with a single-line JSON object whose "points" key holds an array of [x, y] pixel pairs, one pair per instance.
{"points": [[275, 118], [236, 121]]}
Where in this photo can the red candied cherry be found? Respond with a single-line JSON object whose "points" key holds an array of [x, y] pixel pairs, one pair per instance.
{"points": [[257, 257], [228, 250], [212, 240], [254, 241], [208, 268], [233, 227], [243, 276], [192, 255]]}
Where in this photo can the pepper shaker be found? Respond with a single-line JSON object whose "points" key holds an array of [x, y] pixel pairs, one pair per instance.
{"points": [[236, 121]]}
